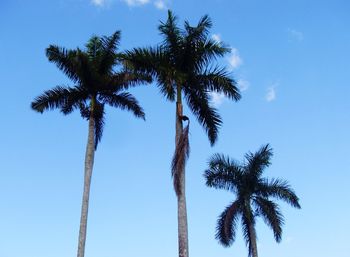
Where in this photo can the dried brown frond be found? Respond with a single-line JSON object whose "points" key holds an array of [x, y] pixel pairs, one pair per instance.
{"points": [[182, 152]]}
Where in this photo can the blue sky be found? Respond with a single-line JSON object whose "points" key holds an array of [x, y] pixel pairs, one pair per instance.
{"points": [[291, 59]]}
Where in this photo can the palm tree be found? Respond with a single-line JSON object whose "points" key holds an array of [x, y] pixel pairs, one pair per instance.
{"points": [[253, 193], [182, 67], [96, 84]]}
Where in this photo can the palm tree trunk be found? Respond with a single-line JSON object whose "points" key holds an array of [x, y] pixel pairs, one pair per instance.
{"points": [[89, 162], [253, 244], [181, 196]]}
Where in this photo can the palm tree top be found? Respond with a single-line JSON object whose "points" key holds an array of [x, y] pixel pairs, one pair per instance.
{"points": [[96, 82], [183, 64], [253, 193]]}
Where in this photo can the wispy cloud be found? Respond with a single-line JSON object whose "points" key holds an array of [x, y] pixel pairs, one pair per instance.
{"points": [[235, 60], [160, 4], [295, 35], [217, 98], [136, 2], [216, 37], [98, 2], [271, 92], [243, 84]]}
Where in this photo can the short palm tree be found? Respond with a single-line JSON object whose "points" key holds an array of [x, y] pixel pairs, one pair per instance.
{"points": [[253, 196], [182, 66], [96, 84]]}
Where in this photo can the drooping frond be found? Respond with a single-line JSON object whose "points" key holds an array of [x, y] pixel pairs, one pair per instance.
{"points": [[227, 224], [223, 173], [218, 80], [208, 117], [281, 190], [271, 214], [181, 154], [258, 161], [99, 114], [124, 101], [60, 97], [65, 60]]}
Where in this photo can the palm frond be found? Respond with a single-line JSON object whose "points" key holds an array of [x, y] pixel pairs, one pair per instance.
{"points": [[207, 116], [271, 214], [259, 160], [181, 154], [126, 79], [223, 173], [281, 190], [109, 55], [124, 101], [64, 59], [60, 97], [99, 114], [227, 224], [218, 80], [86, 71], [171, 33]]}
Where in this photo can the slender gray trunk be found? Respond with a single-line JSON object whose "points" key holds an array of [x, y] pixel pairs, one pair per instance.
{"points": [[253, 244], [181, 197], [89, 162]]}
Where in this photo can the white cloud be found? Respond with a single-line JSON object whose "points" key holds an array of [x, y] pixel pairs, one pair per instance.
{"points": [[217, 98], [98, 2], [160, 4], [243, 84], [216, 37], [234, 60], [295, 35], [271, 92], [136, 2]]}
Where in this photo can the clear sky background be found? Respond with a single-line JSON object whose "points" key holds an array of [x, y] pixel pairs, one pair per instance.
{"points": [[291, 59]]}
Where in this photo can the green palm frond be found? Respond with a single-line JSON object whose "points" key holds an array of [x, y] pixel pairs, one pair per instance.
{"points": [[58, 98], [171, 33], [227, 224], [218, 80], [124, 101], [109, 56], [271, 214], [257, 162], [223, 173], [206, 115], [281, 190], [65, 60], [126, 79]]}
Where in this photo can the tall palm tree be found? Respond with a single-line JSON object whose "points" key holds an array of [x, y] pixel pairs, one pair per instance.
{"points": [[253, 196], [96, 84], [182, 66]]}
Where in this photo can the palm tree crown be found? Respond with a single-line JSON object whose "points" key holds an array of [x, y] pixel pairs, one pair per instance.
{"points": [[96, 82], [253, 193], [181, 64]]}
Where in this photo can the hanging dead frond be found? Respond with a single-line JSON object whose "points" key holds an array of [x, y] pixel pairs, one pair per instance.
{"points": [[182, 152]]}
